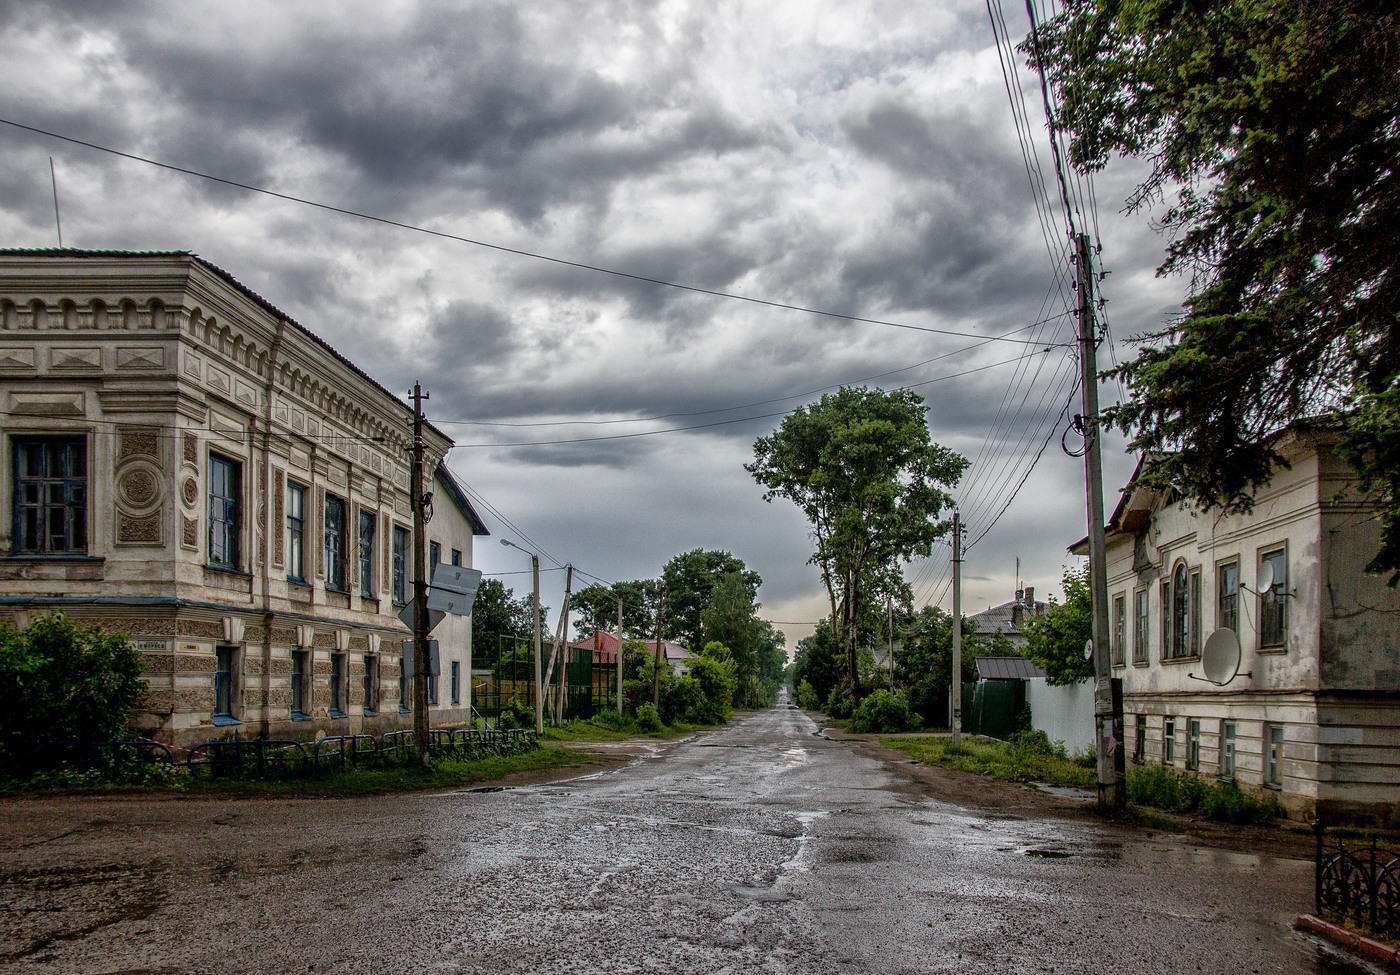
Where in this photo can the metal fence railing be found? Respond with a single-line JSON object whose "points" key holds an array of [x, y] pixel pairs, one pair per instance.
{"points": [[1360, 882], [270, 758]]}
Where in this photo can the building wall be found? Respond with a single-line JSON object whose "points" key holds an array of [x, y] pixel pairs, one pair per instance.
{"points": [[162, 364], [1332, 686]]}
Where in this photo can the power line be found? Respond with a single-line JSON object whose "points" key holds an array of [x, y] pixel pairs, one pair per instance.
{"points": [[519, 252]]}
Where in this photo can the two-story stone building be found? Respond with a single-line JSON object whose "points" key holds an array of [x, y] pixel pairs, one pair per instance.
{"points": [[184, 463], [1312, 713]]}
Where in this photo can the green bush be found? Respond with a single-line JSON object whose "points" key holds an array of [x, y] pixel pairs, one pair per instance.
{"points": [[838, 704], [718, 681], [807, 696], [514, 714], [648, 719], [613, 721], [1165, 788], [62, 681], [683, 699], [882, 711]]}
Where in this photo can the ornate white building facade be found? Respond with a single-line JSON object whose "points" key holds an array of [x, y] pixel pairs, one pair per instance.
{"points": [[1312, 713], [185, 464]]}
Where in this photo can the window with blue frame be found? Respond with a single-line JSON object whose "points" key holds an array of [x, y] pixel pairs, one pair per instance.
{"points": [[338, 685], [223, 683], [299, 700], [223, 511], [456, 682], [432, 689], [400, 565], [335, 544], [434, 555], [367, 554], [296, 532], [456, 556], [50, 492]]}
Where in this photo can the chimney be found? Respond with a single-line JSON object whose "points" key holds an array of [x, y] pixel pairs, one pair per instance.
{"points": [[1030, 599], [1018, 614]]}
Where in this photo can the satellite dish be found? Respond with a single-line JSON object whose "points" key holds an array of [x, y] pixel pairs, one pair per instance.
{"points": [[1220, 657], [1264, 581], [1089, 650]]}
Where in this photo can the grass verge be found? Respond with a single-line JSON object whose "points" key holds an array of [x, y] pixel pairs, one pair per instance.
{"points": [[613, 727], [444, 772], [1031, 758]]}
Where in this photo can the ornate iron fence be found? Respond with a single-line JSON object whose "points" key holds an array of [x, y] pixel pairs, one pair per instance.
{"points": [[1361, 882]]}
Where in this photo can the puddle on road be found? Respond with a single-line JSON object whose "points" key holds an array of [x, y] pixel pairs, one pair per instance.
{"points": [[1048, 854], [765, 895]]}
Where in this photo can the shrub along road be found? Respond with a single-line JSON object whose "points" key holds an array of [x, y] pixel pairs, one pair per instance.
{"points": [[759, 846]]}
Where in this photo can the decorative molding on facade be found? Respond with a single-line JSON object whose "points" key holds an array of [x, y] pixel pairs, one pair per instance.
{"points": [[81, 359], [17, 359], [191, 442], [189, 492], [138, 442], [372, 641], [189, 533], [138, 531], [141, 357], [342, 640], [279, 530], [233, 629], [305, 636], [48, 404]]}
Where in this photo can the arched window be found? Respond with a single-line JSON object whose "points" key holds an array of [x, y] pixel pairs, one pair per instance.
{"points": [[1181, 612]]}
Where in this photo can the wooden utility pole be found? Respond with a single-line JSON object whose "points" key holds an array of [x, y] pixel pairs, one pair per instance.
{"points": [[889, 611], [619, 655], [656, 668], [420, 583], [539, 682], [956, 718], [564, 650], [1108, 705]]}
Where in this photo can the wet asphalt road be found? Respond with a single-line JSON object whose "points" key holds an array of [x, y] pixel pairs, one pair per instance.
{"points": [[755, 847]]}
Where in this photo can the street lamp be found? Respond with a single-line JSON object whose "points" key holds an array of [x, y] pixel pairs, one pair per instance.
{"points": [[539, 676]]}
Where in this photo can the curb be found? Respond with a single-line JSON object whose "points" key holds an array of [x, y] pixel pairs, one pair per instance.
{"points": [[1368, 948]]}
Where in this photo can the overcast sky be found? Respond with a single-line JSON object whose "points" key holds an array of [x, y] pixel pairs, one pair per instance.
{"points": [[852, 156]]}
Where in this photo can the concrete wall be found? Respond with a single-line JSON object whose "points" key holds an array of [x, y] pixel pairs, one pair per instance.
{"points": [[1064, 713]]}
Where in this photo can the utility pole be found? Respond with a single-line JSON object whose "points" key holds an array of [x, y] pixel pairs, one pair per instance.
{"points": [[539, 680], [619, 654], [1108, 693], [957, 631], [564, 649], [420, 584], [656, 668]]}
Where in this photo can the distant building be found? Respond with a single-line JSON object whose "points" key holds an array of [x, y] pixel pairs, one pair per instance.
{"points": [[185, 464], [1009, 618]]}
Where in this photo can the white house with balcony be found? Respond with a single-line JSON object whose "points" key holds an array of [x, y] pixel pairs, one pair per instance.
{"points": [[1311, 713]]}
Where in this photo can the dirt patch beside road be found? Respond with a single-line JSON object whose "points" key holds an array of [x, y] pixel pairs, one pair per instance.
{"points": [[1025, 801]]}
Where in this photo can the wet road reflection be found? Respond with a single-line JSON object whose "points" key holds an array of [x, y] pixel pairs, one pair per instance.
{"points": [[759, 846]]}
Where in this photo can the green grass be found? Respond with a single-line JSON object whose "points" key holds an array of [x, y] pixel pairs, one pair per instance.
{"points": [[612, 728], [441, 773], [997, 759], [1148, 785]]}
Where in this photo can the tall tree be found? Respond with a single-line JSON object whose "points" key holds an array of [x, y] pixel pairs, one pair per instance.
{"points": [[1055, 641], [595, 607], [861, 466], [499, 620], [1274, 128], [689, 579]]}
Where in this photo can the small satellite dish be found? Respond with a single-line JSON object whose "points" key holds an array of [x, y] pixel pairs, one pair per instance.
{"points": [[1264, 581], [1089, 650], [1220, 657]]}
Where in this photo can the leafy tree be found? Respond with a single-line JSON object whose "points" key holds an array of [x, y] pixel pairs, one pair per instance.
{"points": [[1272, 125], [731, 618], [925, 663], [1055, 640], [817, 662], [500, 621], [60, 680], [861, 466], [714, 671], [595, 608], [689, 582]]}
